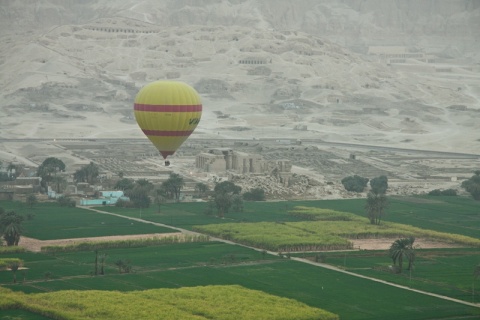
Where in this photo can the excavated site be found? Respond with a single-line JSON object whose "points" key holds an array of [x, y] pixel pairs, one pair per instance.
{"points": [[285, 169]]}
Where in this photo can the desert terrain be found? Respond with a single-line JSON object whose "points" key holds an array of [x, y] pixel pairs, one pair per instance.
{"points": [[268, 72]]}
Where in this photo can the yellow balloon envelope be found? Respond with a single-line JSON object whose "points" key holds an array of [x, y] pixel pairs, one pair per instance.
{"points": [[167, 112]]}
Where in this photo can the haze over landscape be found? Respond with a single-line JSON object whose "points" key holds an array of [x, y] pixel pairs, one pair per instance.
{"points": [[329, 177], [263, 68]]}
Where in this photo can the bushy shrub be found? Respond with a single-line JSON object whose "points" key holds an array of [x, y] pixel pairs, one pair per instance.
{"points": [[472, 185], [355, 183], [66, 202], [123, 204]]}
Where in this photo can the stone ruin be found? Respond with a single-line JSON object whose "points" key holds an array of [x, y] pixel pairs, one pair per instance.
{"points": [[220, 160]]}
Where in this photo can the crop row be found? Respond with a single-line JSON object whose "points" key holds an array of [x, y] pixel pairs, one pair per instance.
{"points": [[130, 243], [210, 302], [11, 249], [276, 236], [309, 213], [322, 234]]}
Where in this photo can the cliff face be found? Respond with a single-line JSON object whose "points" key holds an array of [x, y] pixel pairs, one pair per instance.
{"points": [[436, 24]]}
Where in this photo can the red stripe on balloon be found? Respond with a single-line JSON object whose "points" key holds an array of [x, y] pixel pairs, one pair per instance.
{"points": [[167, 108], [159, 133]]}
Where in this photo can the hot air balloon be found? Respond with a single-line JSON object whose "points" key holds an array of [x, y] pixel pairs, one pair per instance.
{"points": [[167, 112]]}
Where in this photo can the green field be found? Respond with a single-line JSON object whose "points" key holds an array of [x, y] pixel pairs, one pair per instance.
{"points": [[202, 302], [458, 215], [324, 232], [213, 263], [54, 222], [447, 272]]}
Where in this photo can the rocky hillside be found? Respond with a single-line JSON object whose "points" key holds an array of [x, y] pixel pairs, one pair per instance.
{"points": [[353, 23], [293, 69]]}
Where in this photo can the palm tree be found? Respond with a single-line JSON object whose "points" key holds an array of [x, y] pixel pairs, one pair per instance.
{"points": [[124, 184], [173, 185], [11, 227], [92, 171], [79, 175], [88, 173], [144, 183], [403, 248], [375, 206]]}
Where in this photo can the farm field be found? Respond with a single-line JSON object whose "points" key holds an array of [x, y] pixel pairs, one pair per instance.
{"points": [[447, 271], [54, 222], [207, 302], [215, 263], [322, 230], [457, 215]]}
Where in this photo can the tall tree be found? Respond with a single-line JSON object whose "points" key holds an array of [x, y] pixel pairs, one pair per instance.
{"points": [[139, 196], [379, 185], [93, 171], [49, 169], [224, 196], [375, 207], [138, 192], [124, 184], [173, 185], [11, 227], [144, 183], [400, 249], [472, 185], [88, 173]]}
